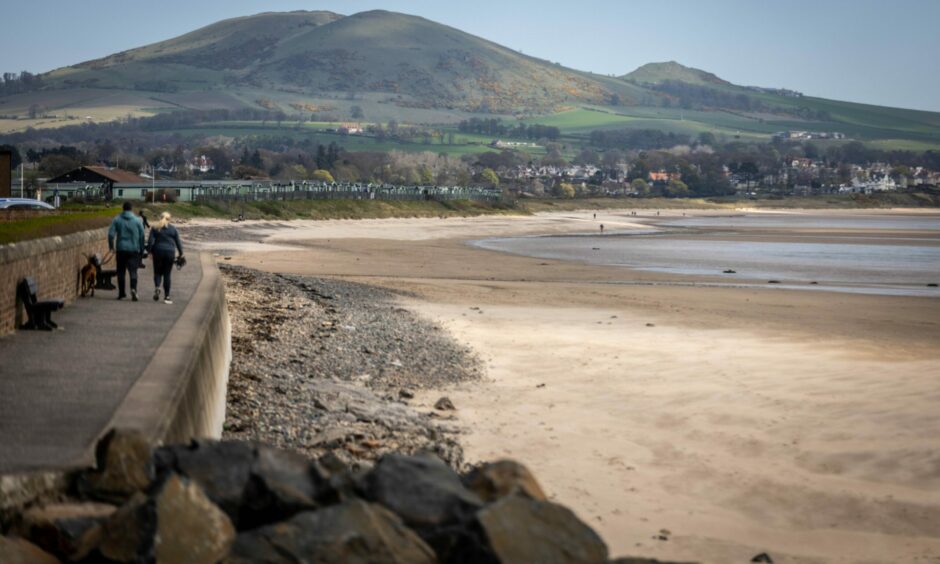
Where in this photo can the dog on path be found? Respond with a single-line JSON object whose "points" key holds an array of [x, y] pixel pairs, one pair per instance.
{"points": [[90, 275]]}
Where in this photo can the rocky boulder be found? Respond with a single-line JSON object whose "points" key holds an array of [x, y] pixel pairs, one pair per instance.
{"points": [[430, 498], [495, 480], [68, 530], [520, 529], [123, 467], [176, 523], [422, 490], [353, 532], [18, 551], [222, 469], [254, 484]]}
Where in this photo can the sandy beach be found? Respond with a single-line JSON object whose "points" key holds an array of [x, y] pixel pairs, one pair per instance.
{"points": [[682, 420]]}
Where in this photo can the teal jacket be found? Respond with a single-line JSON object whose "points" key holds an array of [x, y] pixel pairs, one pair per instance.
{"points": [[128, 230]]}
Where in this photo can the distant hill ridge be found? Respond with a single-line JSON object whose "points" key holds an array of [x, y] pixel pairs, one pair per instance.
{"points": [[323, 65], [656, 73], [424, 63]]}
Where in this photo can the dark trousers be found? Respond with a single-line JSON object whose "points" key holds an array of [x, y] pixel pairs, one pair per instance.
{"points": [[162, 268], [129, 262]]}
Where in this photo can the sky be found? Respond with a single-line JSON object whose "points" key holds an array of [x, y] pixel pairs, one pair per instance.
{"points": [[878, 52]]}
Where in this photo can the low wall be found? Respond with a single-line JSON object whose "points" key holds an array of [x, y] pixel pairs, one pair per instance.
{"points": [[181, 394], [54, 262]]}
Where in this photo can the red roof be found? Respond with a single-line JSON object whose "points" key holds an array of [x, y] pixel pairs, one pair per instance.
{"points": [[115, 174]]}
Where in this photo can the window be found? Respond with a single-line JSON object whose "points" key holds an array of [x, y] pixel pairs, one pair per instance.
{"points": [[179, 192], [120, 191]]}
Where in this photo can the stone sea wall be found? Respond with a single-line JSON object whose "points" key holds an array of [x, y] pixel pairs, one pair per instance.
{"points": [[54, 262]]}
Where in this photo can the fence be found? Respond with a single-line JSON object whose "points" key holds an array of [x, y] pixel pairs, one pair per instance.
{"points": [[325, 191]]}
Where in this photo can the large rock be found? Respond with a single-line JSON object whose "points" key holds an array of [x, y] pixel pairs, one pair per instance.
{"points": [[123, 467], [222, 469], [495, 480], [422, 490], [128, 534], [68, 530], [429, 496], [520, 529], [353, 532], [178, 524], [18, 551], [254, 484], [190, 528], [280, 484]]}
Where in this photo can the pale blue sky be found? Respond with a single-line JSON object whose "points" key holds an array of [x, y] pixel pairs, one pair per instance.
{"points": [[871, 51]]}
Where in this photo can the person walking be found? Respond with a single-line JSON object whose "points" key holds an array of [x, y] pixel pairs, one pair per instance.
{"points": [[164, 242], [126, 238]]}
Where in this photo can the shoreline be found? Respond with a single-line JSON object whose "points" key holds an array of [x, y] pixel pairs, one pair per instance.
{"points": [[741, 420]]}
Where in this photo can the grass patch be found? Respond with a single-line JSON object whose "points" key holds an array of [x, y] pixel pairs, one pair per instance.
{"points": [[319, 209], [55, 225]]}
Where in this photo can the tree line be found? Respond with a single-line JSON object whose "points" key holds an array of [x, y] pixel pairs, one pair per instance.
{"points": [[13, 83], [495, 127]]}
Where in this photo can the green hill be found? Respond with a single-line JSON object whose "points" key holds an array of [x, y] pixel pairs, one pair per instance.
{"points": [[381, 65], [413, 61], [657, 73]]}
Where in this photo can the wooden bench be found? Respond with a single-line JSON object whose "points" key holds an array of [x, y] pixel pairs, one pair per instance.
{"points": [[38, 313]]}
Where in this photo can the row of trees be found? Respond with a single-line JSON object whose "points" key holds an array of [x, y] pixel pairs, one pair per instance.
{"points": [[696, 96], [496, 128], [13, 83], [639, 139]]}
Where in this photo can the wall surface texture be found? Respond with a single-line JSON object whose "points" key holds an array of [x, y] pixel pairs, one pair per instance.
{"points": [[55, 263]]}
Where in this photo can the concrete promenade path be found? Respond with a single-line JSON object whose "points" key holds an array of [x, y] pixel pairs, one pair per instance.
{"points": [[60, 389]]}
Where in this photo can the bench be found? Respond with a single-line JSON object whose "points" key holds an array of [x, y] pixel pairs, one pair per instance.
{"points": [[104, 279], [38, 313]]}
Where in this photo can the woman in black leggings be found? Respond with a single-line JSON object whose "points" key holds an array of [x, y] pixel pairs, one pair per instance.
{"points": [[163, 243]]}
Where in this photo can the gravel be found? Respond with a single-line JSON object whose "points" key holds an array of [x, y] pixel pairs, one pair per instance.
{"points": [[322, 365]]}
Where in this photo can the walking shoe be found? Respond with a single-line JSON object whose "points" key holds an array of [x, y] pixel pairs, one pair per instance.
{"points": [[156, 294], [121, 296], [167, 300], [134, 295]]}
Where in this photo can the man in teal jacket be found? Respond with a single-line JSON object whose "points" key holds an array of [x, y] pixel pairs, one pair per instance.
{"points": [[126, 237]]}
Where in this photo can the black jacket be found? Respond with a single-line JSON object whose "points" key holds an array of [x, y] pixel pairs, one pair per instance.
{"points": [[164, 240]]}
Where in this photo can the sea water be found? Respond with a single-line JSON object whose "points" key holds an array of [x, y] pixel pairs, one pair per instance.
{"points": [[870, 264]]}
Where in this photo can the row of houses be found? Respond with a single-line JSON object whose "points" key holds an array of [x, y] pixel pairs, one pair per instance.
{"points": [[806, 135], [101, 183]]}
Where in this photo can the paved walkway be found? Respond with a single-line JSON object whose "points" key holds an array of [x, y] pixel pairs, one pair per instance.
{"points": [[59, 390]]}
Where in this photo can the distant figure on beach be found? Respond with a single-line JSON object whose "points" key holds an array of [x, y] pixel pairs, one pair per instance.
{"points": [[163, 243], [595, 216], [126, 237], [602, 228]]}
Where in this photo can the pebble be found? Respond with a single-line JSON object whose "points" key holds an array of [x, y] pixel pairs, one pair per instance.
{"points": [[320, 366]]}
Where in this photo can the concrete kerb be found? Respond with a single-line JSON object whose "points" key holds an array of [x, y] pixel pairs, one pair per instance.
{"points": [[181, 395]]}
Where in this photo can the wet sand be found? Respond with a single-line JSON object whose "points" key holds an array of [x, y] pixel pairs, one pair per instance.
{"points": [[738, 419]]}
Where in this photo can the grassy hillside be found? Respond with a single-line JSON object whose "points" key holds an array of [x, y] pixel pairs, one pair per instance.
{"points": [[392, 66], [655, 73], [414, 61]]}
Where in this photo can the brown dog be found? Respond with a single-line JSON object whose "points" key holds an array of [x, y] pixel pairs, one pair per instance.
{"points": [[89, 276]]}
